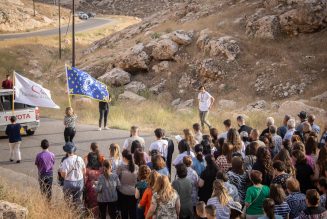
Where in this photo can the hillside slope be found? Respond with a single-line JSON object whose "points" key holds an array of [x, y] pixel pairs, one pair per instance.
{"points": [[243, 51]]}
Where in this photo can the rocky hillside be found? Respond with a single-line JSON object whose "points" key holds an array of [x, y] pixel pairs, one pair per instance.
{"points": [[18, 15], [138, 8]]}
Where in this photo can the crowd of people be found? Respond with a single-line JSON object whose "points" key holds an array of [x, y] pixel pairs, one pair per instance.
{"points": [[238, 172], [280, 172]]}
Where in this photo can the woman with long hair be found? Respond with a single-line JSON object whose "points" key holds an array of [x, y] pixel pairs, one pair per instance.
{"points": [[214, 135], [300, 146], [269, 208], [304, 172], [160, 165], [233, 137], [284, 156], [106, 189], [224, 161], [255, 196], [147, 195], [189, 138], [206, 179], [207, 144], [264, 165], [93, 161], [238, 177], [114, 156], [127, 173], [199, 164], [250, 156], [311, 147], [139, 157], [321, 164], [220, 199], [278, 195], [70, 123], [184, 150], [141, 185], [165, 200]]}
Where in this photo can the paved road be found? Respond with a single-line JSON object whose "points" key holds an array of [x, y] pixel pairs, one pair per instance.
{"points": [[79, 27], [53, 131]]}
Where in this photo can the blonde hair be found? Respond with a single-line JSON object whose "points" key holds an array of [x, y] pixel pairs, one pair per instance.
{"points": [[220, 192], [189, 137], [69, 111], [164, 189], [114, 151]]}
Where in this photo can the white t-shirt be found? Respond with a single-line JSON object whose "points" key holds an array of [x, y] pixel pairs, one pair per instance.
{"points": [[179, 158], [204, 101], [73, 167], [223, 135], [160, 145]]}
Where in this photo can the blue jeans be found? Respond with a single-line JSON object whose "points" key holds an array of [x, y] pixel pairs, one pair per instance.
{"points": [[45, 182], [73, 191]]}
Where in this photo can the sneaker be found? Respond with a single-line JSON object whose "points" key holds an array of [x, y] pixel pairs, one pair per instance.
{"points": [[106, 128], [11, 160], [18, 161], [99, 129]]}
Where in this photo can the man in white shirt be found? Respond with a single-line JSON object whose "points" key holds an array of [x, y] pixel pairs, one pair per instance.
{"points": [[205, 103], [134, 136], [197, 132], [160, 144]]}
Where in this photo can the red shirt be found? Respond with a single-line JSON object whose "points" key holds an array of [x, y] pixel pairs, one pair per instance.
{"points": [[7, 84], [146, 200]]}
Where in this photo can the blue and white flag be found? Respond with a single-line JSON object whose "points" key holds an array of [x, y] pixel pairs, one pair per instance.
{"points": [[81, 83]]}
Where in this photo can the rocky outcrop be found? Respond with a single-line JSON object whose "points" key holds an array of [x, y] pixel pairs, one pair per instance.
{"points": [[164, 49], [161, 67], [156, 89], [116, 77], [12, 211], [224, 45], [257, 106], [320, 98], [210, 68], [181, 37], [203, 38], [226, 104], [135, 87], [130, 96], [267, 27], [294, 107], [134, 60]]}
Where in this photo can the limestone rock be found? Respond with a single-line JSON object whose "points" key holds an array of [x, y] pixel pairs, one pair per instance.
{"points": [[186, 104], [116, 77], [320, 98], [176, 102], [156, 89], [12, 211], [181, 37], [134, 60], [210, 68], [135, 87], [161, 67], [130, 96], [203, 39], [226, 104], [294, 107], [223, 45], [307, 17], [164, 49], [267, 27], [257, 106]]}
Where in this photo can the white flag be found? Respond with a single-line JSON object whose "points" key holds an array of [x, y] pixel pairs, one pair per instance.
{"points": [[31, 93]]}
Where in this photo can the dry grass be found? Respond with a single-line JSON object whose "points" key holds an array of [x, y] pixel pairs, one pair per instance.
{"points": [[36, 204]]}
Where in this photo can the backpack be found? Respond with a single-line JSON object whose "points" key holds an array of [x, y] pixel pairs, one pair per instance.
{"points": [[93, 161]]}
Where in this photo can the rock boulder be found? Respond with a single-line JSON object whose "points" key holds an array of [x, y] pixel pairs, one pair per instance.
{"points": [[130, 96], [227, 104], [203, 38], [210, 68], [135, 87], [294, 107], [223, 45], [116, 77], [12, 211], [164, 49], [320, 98], [267, 27], [181, 37]]}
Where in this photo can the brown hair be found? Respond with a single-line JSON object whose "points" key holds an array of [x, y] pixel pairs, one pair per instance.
{"points": [[237, 165], [233, 137], [139, 157], [95, 148], [67, 111], [107, 168], [152, 178], [322, 161], [200, 207], [296, 138], [311, 145], [277, 193], [300, 156], [164, 189], [312, 197], [293, 184], [284, 156], [144, 172], [227, 151], [211, 210], [189, 137], [256, 176], [187, 160], [114, 151], [158, 162]]}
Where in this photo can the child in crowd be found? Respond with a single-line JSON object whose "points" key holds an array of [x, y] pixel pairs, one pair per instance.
{"points": [[200, 210], [211, 212]]}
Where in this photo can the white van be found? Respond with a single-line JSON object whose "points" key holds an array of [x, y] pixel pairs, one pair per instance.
{"points": [[27, 116]]}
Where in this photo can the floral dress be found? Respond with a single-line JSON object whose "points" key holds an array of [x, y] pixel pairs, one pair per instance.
{"points": [[165, 210]]}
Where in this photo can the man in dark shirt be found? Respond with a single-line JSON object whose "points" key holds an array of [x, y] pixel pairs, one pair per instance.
{"points": [[170, 151], [241, 123], [281, 131], [13, 132], [7, 84], [104, 111]]}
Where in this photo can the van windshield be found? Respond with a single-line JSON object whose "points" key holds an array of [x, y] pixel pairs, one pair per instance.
{"points": [[6, 104]]}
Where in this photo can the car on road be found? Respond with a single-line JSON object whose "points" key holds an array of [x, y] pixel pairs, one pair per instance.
{"points": [[91, 14], [82, 15], [27, 116]]}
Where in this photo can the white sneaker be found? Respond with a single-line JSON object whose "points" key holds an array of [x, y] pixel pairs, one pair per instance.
{"points": [[106, 128], [99, 129]]}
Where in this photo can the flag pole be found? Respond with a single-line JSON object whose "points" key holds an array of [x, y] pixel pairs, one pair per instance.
{"points": [[13, 94], [69, 102]]}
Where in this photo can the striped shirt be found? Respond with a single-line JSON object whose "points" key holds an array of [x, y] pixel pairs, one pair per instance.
{"points": [[240, 182], [222, 212], [282, 209], [296, 202]]}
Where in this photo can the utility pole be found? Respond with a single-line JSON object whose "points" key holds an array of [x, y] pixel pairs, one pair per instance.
{"points": [[73, 35], [34, 7], [59, 29]]}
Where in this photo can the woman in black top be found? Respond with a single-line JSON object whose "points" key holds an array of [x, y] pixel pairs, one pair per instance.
{"points": [[207, 178], [264, 165], [104, 111]]}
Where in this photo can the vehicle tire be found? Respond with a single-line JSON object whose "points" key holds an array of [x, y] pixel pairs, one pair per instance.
{"points": [[30, 132]]}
